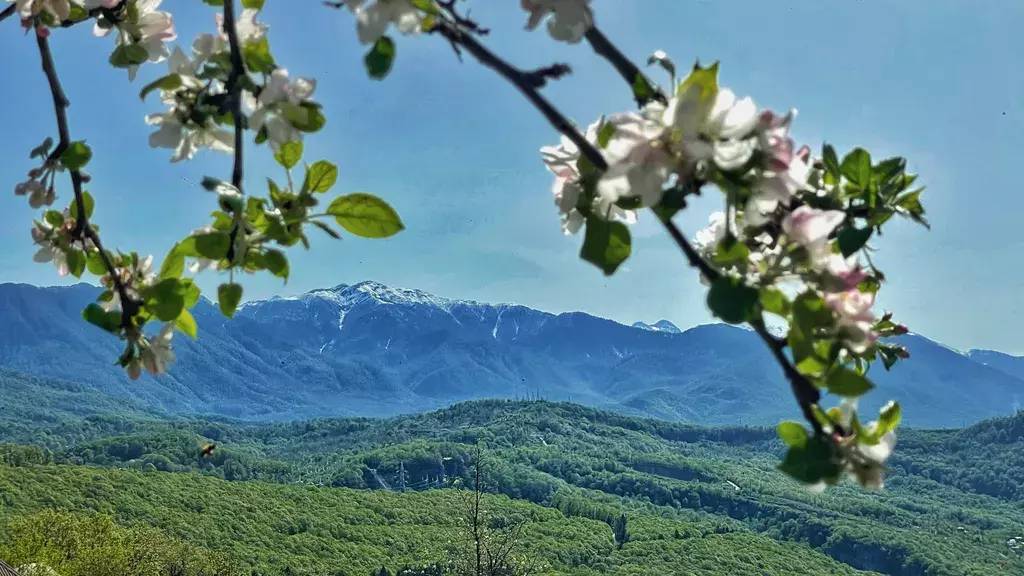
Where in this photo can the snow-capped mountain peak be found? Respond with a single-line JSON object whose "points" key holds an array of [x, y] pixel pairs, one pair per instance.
{"points": [[659, 326]]}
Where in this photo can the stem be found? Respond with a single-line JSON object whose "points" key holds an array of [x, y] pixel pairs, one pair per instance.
{"points": [[629, 71], [7, 12], [235, 88], [82, 229]]}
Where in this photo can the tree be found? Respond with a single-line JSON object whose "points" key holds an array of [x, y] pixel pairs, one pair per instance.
{"points": [[789, 248], [621, 536]]}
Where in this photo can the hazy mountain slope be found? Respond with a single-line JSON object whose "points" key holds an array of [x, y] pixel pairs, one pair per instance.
{"points": [[374, 350]]}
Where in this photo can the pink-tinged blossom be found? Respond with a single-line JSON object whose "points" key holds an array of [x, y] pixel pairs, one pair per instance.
{"points": [[810, 227], [59, 9], [246, 26], [854, 317], [158, 354], [151, 29], [843, 273]]}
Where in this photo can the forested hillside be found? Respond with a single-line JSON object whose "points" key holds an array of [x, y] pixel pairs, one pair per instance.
{"points": [[951, 504]]}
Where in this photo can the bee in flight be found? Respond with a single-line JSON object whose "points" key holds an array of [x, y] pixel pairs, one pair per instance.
{"points": [[206, 449]]}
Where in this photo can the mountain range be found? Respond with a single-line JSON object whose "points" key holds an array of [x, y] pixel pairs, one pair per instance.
{"points": [[373, 350]]}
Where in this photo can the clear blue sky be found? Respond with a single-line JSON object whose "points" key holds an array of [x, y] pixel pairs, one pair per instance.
{"points": [[454, 149]]}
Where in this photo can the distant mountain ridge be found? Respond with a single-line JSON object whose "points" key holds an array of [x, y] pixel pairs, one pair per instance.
{"points": [[374, 350]]}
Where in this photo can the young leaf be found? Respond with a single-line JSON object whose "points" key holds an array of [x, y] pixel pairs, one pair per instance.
{"points": [[321, 176], [76, 262], [856, 167], [76, 156], [94, 263], [793, 434], [128, 55], [276, 263], [606, 244], [379, 59], [889, 417], [852, 239], [89, 203], [253, 4], [365, 215], [305, 117], [165, 299], [169, 82], [97, 316], [731, 300], [228, 296], [289, 154], [811, 463], [828, 154], [212, 245], [845, 382], [186, 323], [257, 56], [174, 264]]}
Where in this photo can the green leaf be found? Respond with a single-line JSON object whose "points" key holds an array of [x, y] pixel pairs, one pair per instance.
{"points": [[97, 316], [174, 264], [305, 117], [810, 311], [76, 262], [54, 218], [289, 154], [77, 13], [76, 156], [731, 251], [427, 6], [828, 154], [811, 463], [214, 2], [888, 169], [128, 55], [276, 263], [365, 215], [212, 245], [253, 4], [94, 263], [257, 56], [889, 417], [190, 292], [321, 176], [705, 78], [89, 203], [774, 301], [605, 135], [186, 324], [909, 204], [165, 299], [793, 434], [845, 382], [852, 239], [379, 59], [731, 300], [606, 244], [169, 82], [643, 91], [856, 167], [228, 296]]}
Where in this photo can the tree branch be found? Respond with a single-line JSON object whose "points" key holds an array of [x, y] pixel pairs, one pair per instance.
{"points": [[528, 85], [803, 389], [82, 229], [629, 71], [7, 12], [235, 89]]}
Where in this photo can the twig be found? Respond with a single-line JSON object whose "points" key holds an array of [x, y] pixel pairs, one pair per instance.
{"points": [[7, 12], [629, 71], [82, 227], [526, 82], [235, 89]]}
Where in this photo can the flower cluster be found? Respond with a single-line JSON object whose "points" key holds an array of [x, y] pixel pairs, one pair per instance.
{"points": [[792, 226], [56, 244], [143, 32]]}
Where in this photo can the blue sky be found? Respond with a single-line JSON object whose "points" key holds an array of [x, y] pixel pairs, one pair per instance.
{"points": [[454, 149]]}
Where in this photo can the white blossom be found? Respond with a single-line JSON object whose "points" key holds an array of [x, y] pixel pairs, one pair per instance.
{"points": [[854, 317], [149, 28], [569, 19], [43, 235], [158, 354], [267, 109], [246, 27], [810, 228], [184, 139], [39, 195], [373, 18], [133, 277], [59, 9]]}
